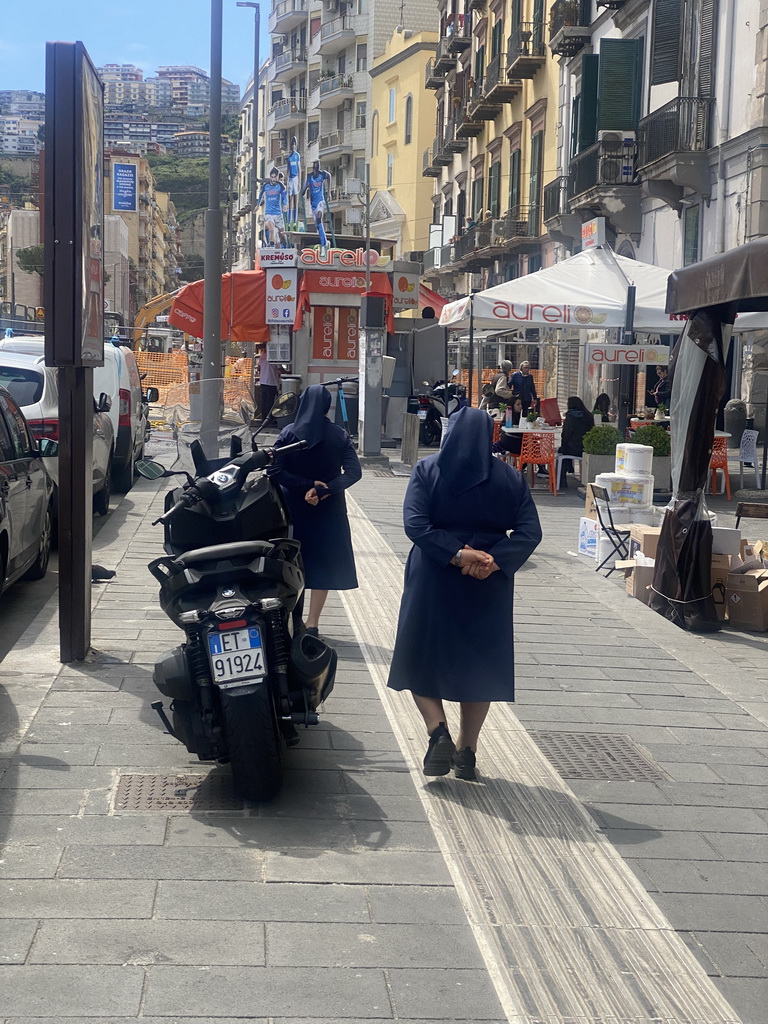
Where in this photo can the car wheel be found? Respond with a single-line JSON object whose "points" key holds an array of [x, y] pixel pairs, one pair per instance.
{"points": [[39, 567], [124, 475], [101, 500]]}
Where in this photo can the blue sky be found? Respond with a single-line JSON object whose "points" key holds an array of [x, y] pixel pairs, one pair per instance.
{"points": [[147, 33]]}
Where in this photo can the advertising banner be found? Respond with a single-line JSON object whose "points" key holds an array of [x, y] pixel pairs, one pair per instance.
{"points": [[628, 355], [124, 188], [281, 296], [323, 333], [271, 258], [349, 330], [405, 289]]}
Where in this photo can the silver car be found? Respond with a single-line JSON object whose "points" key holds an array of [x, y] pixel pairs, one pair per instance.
{"points": [[34, 387]]}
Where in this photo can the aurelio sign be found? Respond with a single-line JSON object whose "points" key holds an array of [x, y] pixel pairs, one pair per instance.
{"points": [[629, 355]]}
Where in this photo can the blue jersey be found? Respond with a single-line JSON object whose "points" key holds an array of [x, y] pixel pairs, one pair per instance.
{"points": [[274, 195], [294, 165], [316, 183]]}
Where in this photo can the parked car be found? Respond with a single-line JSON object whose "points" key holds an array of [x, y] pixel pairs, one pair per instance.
{"points": [[34, 387], [26, 496]]}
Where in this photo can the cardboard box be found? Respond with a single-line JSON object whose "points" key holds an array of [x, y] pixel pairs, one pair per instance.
{"points": [[588, 531], [589, 504], [747, 599], [644, 539], [724, 541], [721, 566]]}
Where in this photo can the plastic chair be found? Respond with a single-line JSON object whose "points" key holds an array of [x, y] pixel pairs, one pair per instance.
{"points": [[619, 538], [719, 460], [549, 411], [574, 458], [496, 431], [748, 454], [538, 450]]}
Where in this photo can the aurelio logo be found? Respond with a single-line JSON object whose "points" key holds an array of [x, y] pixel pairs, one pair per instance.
{"points": [[344, 258]]}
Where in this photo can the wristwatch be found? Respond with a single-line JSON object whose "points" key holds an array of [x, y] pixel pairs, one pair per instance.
{"points": [[456, 560]]}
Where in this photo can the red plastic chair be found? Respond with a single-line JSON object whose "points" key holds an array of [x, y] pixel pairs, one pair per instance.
{"points": [[538, 450], [719, 460]]}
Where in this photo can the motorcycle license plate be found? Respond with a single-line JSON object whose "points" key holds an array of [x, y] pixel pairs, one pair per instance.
{"points": [[422, 414], [237, 654]]}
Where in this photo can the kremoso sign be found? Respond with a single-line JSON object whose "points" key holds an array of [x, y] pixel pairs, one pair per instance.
{"points": [[628, 355]]}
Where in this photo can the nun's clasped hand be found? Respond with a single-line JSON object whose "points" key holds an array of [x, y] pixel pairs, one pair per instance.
{"points": [[314, 495], [476, 563]]}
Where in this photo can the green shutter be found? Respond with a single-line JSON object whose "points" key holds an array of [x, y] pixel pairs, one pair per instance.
{"points": [[575, 108], [538, 25], [619, 82], [479, 63], [706, 63], [517, 14], [534, 187], [494, 182], [587, 126], [667, 31], [514, 179], [477, 199], [496, 39]]}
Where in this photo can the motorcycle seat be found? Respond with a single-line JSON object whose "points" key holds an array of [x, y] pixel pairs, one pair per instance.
{"points": [[239, 549]]}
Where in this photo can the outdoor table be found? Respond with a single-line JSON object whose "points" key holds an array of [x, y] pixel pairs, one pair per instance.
{"points": [[537, 430]]}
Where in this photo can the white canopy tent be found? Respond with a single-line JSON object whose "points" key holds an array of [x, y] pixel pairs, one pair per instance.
{"points": [[588, 291]]}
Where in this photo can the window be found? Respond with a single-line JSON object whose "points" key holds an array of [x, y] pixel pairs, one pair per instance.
{"points": [[390, 169], [391, 105], [313, 132], [362, 57], [534, 188], [360, 115], [477, 198], [408, 119], [514, 179], [494, 181], [691, 234]]}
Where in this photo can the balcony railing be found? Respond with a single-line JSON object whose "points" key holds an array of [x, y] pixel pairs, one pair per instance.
{"points": [[432, 78], [526, 44], [288, 7], [429, 169], [603, 165], [681, 126], [556, 198], [329, 85], [445, 59], [335, 140], [336, 27], [295, 106], [289, 57], [569, 22], [460, 36], [431, 260], [447, 254]]}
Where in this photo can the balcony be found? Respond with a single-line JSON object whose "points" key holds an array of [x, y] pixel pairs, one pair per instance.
{"points": [[569, 27], [286, 113], [332, 91], [476, 247], [475, 5], [441, 157], [340, 199], [433, 80], [447, 256], [445, 60], [336, 36], [603, 181], [288, 64], [562, 225], [460, 39], [468, 127], [431, 261], [672, 149], [520, 228], [335, 144], [483, 107], [497, 84], [429, 169], [287, 15], [451, 142], [527, 52]]}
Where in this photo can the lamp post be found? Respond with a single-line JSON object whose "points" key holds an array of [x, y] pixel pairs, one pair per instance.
{"points": [[254, 125]]}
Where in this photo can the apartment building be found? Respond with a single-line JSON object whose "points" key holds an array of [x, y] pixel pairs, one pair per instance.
{"points": [[19, 229], [19, 135], [182, 89], [252, 132]]}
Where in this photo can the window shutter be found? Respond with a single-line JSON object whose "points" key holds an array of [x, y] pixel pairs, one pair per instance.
{"points": [[494, 181], [587, 127], [479, 63], [496, 39], [538, 25], [514, 179], [619, 83], [667, 30], [534, 187], [517, 14], [575, 108], [707, 48]]}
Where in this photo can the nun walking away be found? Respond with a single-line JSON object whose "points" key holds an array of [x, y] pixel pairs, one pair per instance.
{"points": [[473, 524], [313, 482]]}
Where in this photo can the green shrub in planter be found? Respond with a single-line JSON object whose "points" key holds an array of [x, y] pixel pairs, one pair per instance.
{"points": [[601, 441], [653, 437]]}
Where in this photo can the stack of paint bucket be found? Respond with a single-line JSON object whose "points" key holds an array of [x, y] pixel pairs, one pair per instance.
{"points": [[630, 488]]}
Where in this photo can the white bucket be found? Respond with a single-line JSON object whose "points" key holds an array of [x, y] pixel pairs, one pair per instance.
{"points": [[627, 488], [634, 458]]}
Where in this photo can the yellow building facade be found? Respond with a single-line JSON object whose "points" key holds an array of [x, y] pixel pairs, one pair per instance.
{"points": [[402, 124]]}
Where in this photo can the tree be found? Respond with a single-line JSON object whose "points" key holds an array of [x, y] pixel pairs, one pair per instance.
{"points": [[32, 259]]}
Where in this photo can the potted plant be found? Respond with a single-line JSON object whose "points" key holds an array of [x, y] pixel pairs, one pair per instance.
{"points": [[600, 451], [661, 411], [658, 439], [530, 419]]}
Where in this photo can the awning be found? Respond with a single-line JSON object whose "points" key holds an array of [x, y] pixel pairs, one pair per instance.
{"points": [[738, 277], [342, 282], [429, 298], [243, 307]]}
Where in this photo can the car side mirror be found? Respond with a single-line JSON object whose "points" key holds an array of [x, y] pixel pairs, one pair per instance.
{"points": [[104, 403], [48, 448], [152, 395]]}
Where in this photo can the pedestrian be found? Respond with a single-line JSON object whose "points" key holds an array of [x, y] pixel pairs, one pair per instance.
{"points": [[523, 384], [460, 507], [602, 407], [313, 482], [269, 381], [662, 390], [578, 420]]}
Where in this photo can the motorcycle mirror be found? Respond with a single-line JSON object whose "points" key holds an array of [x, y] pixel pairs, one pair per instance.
{"points": [[152, 395], [426, 383], [285, 406], [151, 470], [235, 446]]}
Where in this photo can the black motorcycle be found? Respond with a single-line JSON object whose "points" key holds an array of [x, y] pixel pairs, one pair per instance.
{"points": [[247, 675], [443, 401]]}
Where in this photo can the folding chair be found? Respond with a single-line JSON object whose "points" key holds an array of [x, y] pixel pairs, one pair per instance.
{"points": [[619, 538]]}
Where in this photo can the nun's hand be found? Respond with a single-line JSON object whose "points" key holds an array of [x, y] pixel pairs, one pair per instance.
{"points": [[311, 497], [482, 572], [472, 559]]}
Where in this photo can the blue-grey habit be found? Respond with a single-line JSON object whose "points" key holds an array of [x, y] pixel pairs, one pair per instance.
{"points": [[454, 634], [323, 529]]}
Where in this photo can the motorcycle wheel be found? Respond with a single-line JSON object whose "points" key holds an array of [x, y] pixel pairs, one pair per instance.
{"points": [[432, 432], [254, 744]]}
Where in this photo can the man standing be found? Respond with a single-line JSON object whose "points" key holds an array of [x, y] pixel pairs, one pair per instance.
{"points": [[275, 198], [269, 381], [294, 179], [662, 392], [522, 384], [315, 186], [500, 385]]}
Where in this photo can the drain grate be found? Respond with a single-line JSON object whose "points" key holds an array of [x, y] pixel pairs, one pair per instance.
{"points": [[159, 793], [597, 755], [383, 472]]}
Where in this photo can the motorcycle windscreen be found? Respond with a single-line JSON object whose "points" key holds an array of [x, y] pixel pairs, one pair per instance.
{"points": [[207, 414]]}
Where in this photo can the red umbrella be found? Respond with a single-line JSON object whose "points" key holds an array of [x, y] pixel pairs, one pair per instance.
{"points": [[243, 307]]}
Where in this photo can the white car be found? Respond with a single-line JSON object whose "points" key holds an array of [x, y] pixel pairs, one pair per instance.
{"points": [[34, 387]]}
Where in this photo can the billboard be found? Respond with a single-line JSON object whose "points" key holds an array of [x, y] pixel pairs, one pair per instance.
{"points": [[281, 296], [125, 196]]}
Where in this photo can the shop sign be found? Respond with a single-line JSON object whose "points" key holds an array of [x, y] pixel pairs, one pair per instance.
{"points": [[628, 355], [124, 191], [271, 258], [405, 289], [323, 332], [349, 330], [343, 258], [281, 296], [593, 233]]}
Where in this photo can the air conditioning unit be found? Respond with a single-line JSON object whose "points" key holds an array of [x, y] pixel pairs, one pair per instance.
{"points": [[347, 104], [616, 139], [345, 160]]}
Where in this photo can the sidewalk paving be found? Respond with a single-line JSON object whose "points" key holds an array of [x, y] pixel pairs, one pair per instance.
{"points": [[350, 896]]}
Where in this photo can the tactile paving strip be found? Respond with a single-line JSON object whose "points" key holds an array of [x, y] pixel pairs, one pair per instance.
{"points": [[597, 755], [212, 792]]}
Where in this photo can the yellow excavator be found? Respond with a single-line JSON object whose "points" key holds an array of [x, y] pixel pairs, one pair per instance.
{"points": [[146, 316]]}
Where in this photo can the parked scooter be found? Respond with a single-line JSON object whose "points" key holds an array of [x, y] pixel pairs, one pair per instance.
{"points": [[246, 674], [444, 400]]}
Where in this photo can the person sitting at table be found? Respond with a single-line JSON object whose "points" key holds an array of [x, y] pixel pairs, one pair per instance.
{"points": [[602, 407], [578, 420], [510, 444], [662, 390]]}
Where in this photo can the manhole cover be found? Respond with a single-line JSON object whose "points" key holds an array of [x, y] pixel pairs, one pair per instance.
{"points": [[383, 472], [597, 755], [159, 793]]}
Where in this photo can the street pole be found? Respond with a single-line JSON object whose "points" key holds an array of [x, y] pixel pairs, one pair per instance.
{"points": [[368, 227], [254, 126], [214, 238]]}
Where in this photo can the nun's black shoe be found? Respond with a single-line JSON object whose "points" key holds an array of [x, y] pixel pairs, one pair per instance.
{"points": [[464, 763], [440, 752], [312, 631]]}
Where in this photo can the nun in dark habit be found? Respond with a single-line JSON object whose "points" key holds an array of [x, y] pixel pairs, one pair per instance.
{"points": [[313, 482], [473, 524]]}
